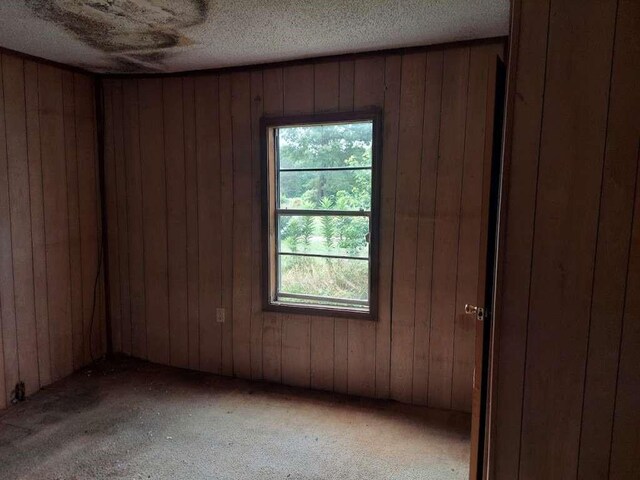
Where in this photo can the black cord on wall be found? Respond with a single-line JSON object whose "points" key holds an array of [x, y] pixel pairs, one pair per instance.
{"points": [[96, 281]]}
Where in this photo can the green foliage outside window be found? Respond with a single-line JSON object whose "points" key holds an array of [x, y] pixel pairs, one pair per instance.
{"points": [[325, 146]]}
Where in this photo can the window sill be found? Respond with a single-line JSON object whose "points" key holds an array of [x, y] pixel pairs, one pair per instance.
{"points": [[319, 311]]}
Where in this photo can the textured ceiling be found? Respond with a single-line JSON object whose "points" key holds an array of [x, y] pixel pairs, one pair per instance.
{"points": [[176, 35]]}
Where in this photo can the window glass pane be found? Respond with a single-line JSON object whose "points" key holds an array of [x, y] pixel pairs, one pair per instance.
{"points": [[326, 190], [324, 277], [324, 235], [323, 260], [337, 145]]}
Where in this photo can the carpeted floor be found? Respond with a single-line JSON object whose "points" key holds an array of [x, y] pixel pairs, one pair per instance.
{"points": [[132, 420]]}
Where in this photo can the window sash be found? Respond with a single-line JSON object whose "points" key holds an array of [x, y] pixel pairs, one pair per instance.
{"points": [[321, 255], [272, 213], [278, 212], [323, 169], [336, 300], [321, 213], [279, 294]]}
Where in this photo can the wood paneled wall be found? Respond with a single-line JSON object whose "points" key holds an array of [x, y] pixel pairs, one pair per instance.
{"points": [[567, 384], [49, 224], [183, 203]]}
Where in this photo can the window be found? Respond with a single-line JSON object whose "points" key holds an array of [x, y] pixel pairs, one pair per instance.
{"points": [[320, 216]]}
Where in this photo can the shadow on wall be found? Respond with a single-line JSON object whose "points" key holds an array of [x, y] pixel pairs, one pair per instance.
{"points": [[136, 34]]}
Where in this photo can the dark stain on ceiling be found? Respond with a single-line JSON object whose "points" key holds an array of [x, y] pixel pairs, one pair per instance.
{"points": [[136, 34]]}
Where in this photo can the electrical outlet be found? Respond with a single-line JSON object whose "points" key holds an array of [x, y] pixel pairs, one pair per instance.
{"points": [[220, 315]]}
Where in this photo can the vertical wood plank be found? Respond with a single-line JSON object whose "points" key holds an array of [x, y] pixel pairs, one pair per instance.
{"points": [[298, 90], [87, 211], [347, 69], [573, 129], [624, 461], [272, 347], [296, 368], [176, 220], [154, 219], [321, 337], [20, 215], [111, 198], [226, 216], [121, 211], [56, 220], [7, 303], [100, 336], [361, 366], [341, 355], [256, 223], [326, 81], [613, 274], [135, 218], [368, 83], [37, 222], [393, 71], [208, 164], [406, 224], [443, 293], [3, 146], [101, 295], [75, 265], [241, 115], [529, 66], [426, 225], [191, 179], [273, 91]]}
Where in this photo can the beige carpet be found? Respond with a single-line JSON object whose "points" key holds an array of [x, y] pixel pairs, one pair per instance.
{"points": [[134, 420]]}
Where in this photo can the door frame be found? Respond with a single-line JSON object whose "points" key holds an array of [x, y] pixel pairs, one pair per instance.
{"points": [[479, 458]]}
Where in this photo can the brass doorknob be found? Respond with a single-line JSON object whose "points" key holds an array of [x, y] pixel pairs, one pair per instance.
{"points": [[473, 310]]}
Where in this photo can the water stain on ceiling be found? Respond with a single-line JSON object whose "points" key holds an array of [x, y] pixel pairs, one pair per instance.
{"points": [[128, 36], [136, 34]]}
